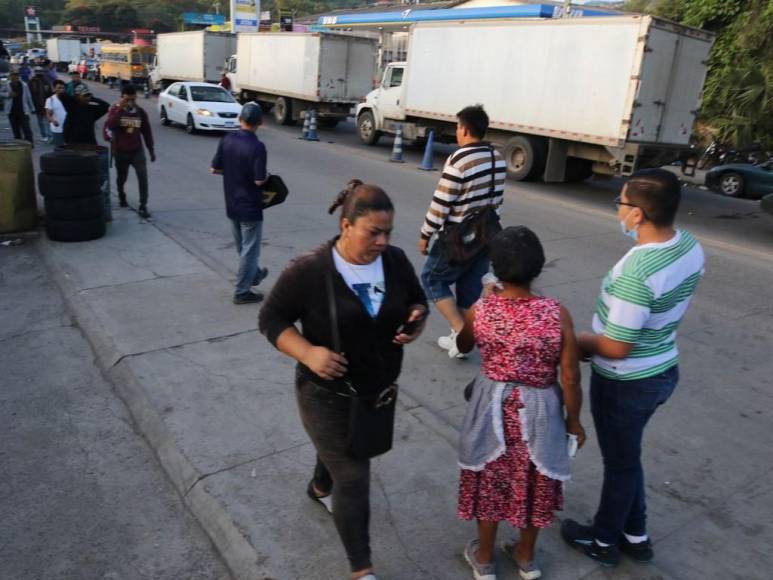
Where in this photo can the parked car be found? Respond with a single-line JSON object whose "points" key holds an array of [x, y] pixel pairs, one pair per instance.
{"points": [[199, 106], [742, 179]]}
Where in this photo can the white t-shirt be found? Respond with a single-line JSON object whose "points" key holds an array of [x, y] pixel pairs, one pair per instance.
{"points": [[54, 104], [365, 280]]}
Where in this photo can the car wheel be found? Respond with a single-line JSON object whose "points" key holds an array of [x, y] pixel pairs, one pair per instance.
{"points": [[164, 118], [731, 184], [366, 128], [190, 125]]}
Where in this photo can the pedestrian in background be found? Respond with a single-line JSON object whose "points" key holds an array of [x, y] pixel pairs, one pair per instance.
{"points": [[241, 159], [56, 114], [513, 450], [51, 72], [25, 72], [83, 111], [128, 127], [18, 105], [369, 290], [470, 188], [75, 80], [41, 90], [635, 358], [225, 82]]}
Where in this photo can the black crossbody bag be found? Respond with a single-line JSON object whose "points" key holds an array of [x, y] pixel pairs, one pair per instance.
{"points": [[371, 417], [464, 241]]}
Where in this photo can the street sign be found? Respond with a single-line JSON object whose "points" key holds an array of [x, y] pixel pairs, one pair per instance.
{"points": [[200, 18], [244, 15]]}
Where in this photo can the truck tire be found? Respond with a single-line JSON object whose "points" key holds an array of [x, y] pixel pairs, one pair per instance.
{"points": [[68, 186], [366, 128], [164, 117], [578, 169], [69, 163], [75, 208], [525, 156], [75, 230], [283, 111]]}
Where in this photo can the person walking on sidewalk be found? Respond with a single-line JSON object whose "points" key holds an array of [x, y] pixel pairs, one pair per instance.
{"points": [[470, 188], [56, 114], [635, 358], [19, 106], [241, 160], [513, 446], [41, 90], [75, 81], [371, 290], [83, 111], [129, 126]]}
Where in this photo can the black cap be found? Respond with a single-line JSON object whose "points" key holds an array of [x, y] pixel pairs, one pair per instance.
{"points": [[252, 114]]}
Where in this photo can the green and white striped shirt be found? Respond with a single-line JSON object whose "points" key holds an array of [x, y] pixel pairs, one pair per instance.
{"points": [[642, 301]]}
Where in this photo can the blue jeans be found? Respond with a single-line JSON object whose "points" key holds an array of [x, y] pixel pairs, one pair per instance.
{"points": [[438, 276], [43, 127], [621, 410], [247, 238]]}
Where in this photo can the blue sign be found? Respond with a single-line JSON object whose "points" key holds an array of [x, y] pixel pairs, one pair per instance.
{"points": [[198, 18]]}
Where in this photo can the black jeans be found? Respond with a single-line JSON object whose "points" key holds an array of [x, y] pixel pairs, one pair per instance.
{"points": [[137, 160], [20, 124], [325, 416], [621, 410]]}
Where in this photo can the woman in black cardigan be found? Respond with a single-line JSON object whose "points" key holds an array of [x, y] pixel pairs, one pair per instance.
{"points": [[376, 293]]}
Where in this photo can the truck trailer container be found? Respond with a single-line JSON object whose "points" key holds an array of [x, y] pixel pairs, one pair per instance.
{"points": [[196, 56], [64, 51]]}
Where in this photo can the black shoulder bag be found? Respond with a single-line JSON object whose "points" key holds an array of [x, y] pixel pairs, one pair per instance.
{"points": [[371, 417], [274, 191], [464, 241]]}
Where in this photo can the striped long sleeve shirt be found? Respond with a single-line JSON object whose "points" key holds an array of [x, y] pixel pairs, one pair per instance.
{"points": [[465, 185]]}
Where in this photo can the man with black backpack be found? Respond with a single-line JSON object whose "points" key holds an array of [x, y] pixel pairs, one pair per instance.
{"points": [[464, 208]]}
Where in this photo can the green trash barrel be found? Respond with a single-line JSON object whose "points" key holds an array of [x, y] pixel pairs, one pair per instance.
{"points": [[18, 206]]}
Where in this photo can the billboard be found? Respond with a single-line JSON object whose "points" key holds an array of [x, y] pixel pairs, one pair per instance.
{"points": [[244, 15], [199, 18]]}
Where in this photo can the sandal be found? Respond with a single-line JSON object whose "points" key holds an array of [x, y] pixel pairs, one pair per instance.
{"points": [[527, 571], [326, 501]]}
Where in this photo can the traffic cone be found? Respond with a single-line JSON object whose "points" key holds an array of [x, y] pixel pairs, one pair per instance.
{"points": [[305, 130], [397, 148], [312, 134], [426, 163], [146, 91]]}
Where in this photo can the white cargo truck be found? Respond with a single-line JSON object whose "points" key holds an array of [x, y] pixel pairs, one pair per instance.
{"points": [[566, 98], [294, 72], [64, 52], [196, 56]]}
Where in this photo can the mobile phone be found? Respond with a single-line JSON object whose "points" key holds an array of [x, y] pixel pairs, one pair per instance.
{"points": [[411, 327], [571, 444]]}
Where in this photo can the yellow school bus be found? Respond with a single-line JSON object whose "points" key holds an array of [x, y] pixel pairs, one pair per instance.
{"points": [[126, 62]]}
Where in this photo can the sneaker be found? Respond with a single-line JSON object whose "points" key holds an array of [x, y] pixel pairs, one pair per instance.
{"points": [[449, 343], [248, 298], [122, 202], [260, 276], [479, 571], [581, 537], [143, 213], [641, 552]]}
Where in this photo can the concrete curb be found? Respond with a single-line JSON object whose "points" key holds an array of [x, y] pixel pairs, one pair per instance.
{"points": [[239, 555]]}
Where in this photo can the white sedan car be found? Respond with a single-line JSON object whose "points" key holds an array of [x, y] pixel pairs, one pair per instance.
{"points": [[199, 106]]}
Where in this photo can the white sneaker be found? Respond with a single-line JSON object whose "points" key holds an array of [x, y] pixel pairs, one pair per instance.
{"points": [[449, 343]]}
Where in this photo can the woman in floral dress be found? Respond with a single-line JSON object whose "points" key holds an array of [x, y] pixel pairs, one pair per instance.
{"points": [[513, 450]]}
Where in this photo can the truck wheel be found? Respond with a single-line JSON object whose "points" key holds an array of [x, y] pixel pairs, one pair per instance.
{"points": [[283, 111], [525, 156], [578, 169], [190, 125], [366, 127], [164, 118]]}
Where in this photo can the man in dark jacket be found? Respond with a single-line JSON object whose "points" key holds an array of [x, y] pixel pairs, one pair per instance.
{"points": [[83, 111], [241, 160], [41, 89], [129, 126]]}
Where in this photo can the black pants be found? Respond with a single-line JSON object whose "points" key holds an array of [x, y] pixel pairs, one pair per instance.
{"points": [[137, 160], [21, 124], [325, 417]]}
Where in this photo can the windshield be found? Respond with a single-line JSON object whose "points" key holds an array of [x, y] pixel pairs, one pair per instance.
{"points": [[211, 95], [136, 58]]}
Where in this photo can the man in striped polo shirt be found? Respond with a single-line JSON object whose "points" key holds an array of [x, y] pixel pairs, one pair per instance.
{"points": [[634, 358], [464, 186]]}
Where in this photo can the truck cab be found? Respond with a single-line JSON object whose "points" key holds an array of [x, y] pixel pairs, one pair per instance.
{"points": [[383, 105]]}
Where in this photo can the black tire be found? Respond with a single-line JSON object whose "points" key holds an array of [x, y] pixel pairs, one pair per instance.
{"points": [[164, 117], [731, 184], [67, 186], [283, 111], [68, 162], [190, 125], [525, 156], [75, 230], [578, 169], [75, 208], [366, 128]]}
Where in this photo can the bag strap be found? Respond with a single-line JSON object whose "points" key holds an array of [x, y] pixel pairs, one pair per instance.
{"points": [[332, 306], [493, 170]]}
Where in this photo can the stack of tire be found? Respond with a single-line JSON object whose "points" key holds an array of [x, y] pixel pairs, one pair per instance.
{"points": [[70, 184]]}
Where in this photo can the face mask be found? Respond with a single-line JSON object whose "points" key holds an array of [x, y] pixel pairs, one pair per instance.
{"points": [[633, 233]]}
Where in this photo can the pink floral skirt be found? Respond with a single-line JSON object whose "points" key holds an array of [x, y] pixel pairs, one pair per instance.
{"points": [[510, 488]]}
